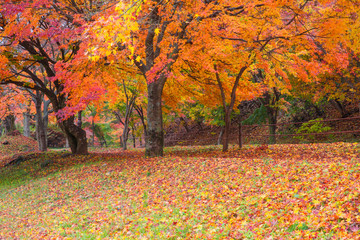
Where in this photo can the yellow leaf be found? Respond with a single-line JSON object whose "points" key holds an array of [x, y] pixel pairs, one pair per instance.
{"points": [[132, 50], [157, 31]]}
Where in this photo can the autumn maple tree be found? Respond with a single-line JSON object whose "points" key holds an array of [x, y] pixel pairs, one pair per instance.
{"points": [[340, 85], [164, 40], [255, 44], [36, 37], [79, 45], [125, 104], [149, 35]]}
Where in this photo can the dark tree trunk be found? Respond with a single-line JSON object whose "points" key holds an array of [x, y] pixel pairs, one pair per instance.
{"points": [[40, 127], [199, 125], [46, 118], [240, 135], [140, 141], [79, 119], [75, 135], [9, 124], [141, 114], [155, 133], [93, 132], [185, 124], [228, 108], [130, 102], [272, 128], [125, 136], [341, 108], [103, 141], [133, 136], [121, 142], [155, 84], [227, 130], [270, 99]]}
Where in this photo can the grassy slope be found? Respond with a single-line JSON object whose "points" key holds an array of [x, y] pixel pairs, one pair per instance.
{"points": [[290, 191]]}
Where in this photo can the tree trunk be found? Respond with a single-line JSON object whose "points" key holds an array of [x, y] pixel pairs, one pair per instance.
{"points": [[121, 142], [140, 112], [75, 135], [227, 131], [269, 101], [155, 134], [240, 135], [272, 130], [272, 115], [46, 118], [26, 116], [79, 119], [125, 136], [228, 108], [140, 141], [9, 124], [133, 135], [93, 132], [200, 125], [340, 107], [185, 124], [103, 141], [1, 128], [220, 136], [40, 127]]}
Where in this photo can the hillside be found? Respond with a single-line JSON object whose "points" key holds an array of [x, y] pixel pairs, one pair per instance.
{"points": [[345, 129], [13, 146]]}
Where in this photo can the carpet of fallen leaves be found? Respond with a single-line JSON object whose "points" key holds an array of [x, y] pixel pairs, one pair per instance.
{"points": [[17, 145], [309, 191]]}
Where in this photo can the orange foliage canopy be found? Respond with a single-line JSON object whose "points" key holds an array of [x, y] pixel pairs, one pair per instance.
{"points": [[301, 38], [304, 39]]}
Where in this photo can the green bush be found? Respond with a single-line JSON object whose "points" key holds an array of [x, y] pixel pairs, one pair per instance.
{"points": [[312, 126]]}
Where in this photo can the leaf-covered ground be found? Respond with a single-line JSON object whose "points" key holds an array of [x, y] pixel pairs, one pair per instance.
{"points": [[15, 145], [276, 192]]}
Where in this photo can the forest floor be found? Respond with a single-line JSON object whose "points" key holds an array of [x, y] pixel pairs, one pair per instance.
{"points": [[304, 191], [13, 146]]}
